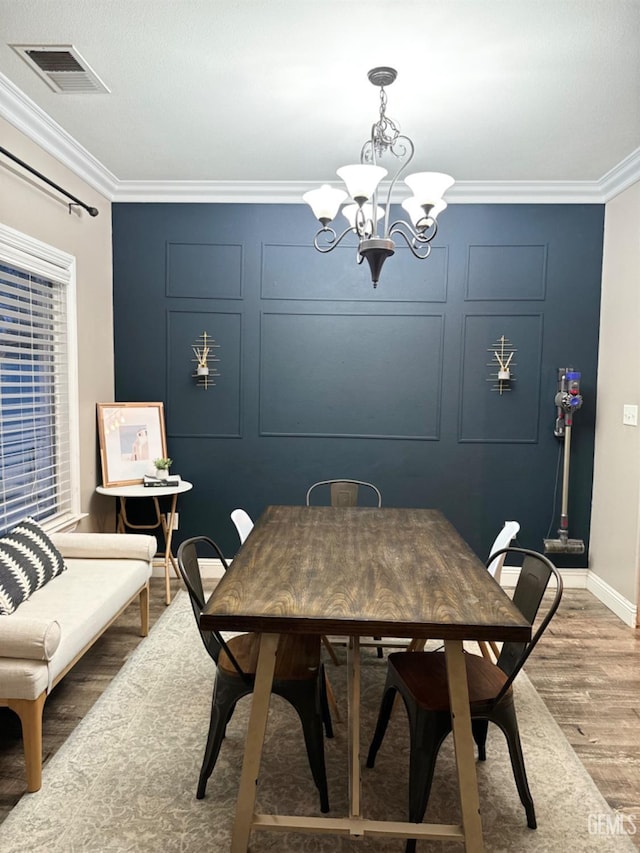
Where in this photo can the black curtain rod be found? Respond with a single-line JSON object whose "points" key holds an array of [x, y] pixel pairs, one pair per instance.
{"points": [[92, 211]]}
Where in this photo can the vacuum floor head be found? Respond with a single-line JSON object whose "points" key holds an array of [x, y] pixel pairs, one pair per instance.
{"points": [[563, 546]]}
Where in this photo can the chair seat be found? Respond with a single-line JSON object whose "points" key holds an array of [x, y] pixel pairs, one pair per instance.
{"points": [[297, 657], [425, 676]]}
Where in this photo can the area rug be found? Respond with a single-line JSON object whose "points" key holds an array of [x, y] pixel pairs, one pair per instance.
{"points": [[126, 778]]}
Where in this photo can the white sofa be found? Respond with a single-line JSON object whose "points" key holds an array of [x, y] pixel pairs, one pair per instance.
{"points": [[50, 631]]}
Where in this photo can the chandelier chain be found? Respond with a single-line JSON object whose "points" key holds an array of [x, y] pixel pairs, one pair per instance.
{"points": [[385, 131]]}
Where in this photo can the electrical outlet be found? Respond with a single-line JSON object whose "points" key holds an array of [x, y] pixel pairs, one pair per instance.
{"points": [[175, 520], [630, 415]]}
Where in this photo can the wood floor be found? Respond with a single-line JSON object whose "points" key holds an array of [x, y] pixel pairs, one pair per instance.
{"points": [[586, 668]]}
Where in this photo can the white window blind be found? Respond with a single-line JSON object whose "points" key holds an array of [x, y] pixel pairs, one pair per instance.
{"points": [[38, 384]]}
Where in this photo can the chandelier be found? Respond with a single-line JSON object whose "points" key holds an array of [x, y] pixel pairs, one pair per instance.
{"points": [[362, 181]]}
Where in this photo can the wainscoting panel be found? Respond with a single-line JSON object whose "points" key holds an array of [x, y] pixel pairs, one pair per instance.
{"points": [[204, 270], [336, 275], [351, 375], [506, 272], [192, 410], [486, 415], [322, 375]]}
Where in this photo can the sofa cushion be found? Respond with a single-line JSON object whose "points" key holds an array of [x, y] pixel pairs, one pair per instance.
{"points": [[32, 639], [84, 600], [105, 546], [28, 560]]}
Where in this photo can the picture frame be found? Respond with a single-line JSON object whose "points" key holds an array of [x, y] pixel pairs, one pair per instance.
{"points": [[131, 436]]}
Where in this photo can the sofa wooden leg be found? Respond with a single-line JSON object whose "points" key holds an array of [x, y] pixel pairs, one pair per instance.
{"points": [[144, 611], [30, 713]]}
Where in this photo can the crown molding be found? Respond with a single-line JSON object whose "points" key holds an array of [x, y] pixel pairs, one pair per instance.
{"points": [[30, 119], [622, 176], [220, 192], [25, 115], [525, 192], [290, 192]]}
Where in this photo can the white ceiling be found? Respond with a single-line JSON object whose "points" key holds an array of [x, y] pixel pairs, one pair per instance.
{"points": [[504, 95]]}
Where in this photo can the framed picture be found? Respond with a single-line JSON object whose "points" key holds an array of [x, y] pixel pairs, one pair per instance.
{"points": [[131, 435]]}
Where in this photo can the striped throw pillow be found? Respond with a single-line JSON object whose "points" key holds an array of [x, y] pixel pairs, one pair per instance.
{"points": [[28, 559]]}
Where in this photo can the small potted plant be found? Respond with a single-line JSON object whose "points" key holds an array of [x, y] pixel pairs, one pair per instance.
{"points": [[162, 467]]}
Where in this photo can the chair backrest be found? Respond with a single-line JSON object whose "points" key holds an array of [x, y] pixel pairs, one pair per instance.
{"points": [[345, 492], [535, 574], [243, 523], [502, 541], [189, 567]]}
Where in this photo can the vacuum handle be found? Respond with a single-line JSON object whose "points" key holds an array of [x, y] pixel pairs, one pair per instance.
{"points": [[564, 512]]}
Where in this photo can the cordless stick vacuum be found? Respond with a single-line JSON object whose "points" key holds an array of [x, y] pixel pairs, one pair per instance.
{"points": [[568, 400]]}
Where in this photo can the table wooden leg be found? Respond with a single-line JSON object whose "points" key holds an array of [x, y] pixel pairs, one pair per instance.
{"points": [[167, 530], [122, 517], [463, 742], [353, 681], [253, 747], [331, 699]]}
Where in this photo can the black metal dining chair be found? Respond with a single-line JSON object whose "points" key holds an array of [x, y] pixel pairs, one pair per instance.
{"points": [[421, 680], [344, 492], [299, 675]]}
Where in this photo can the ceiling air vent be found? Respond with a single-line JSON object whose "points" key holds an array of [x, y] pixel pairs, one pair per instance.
{"points": [[62, 68]]}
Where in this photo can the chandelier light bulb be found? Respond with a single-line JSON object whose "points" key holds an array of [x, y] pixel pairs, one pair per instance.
{"points": [[325, 202], [349, 211], [417, 213], [429, 187], [361, 180]]}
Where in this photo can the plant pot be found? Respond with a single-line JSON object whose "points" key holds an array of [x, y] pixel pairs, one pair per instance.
{"points": [[162, 473]]}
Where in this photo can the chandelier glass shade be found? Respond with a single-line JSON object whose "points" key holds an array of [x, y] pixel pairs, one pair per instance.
{"points": [[363, 189], [350, 212]]}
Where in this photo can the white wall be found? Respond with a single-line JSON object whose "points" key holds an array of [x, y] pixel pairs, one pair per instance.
{"points": [[30, 206], [615, 521]]}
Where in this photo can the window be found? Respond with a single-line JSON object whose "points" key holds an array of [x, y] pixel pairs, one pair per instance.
{"points": [[39, 465]]}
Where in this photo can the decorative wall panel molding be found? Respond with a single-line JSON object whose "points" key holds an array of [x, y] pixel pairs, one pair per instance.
{"points": [[481, 437], [351, 375], [204, 270], [488, 417], [508, 273], [189, 412], [300, 272]]}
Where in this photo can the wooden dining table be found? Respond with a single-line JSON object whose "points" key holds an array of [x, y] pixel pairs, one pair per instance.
{"points": [[360, 572]]}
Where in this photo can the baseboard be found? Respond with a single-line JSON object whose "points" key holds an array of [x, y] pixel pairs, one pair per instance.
{"points": [[621, 606], [212, 568], [572, 579], [209, 568], [585, 579]]}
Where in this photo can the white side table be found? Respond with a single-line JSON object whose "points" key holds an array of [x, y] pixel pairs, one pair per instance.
{"points": [[154, 492]]}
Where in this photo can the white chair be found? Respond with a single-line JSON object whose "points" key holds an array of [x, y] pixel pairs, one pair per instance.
{"points": [[502, 540], [243, 523]]}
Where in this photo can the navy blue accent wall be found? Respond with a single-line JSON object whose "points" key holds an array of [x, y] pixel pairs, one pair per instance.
{"points": [[322, 376]]}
